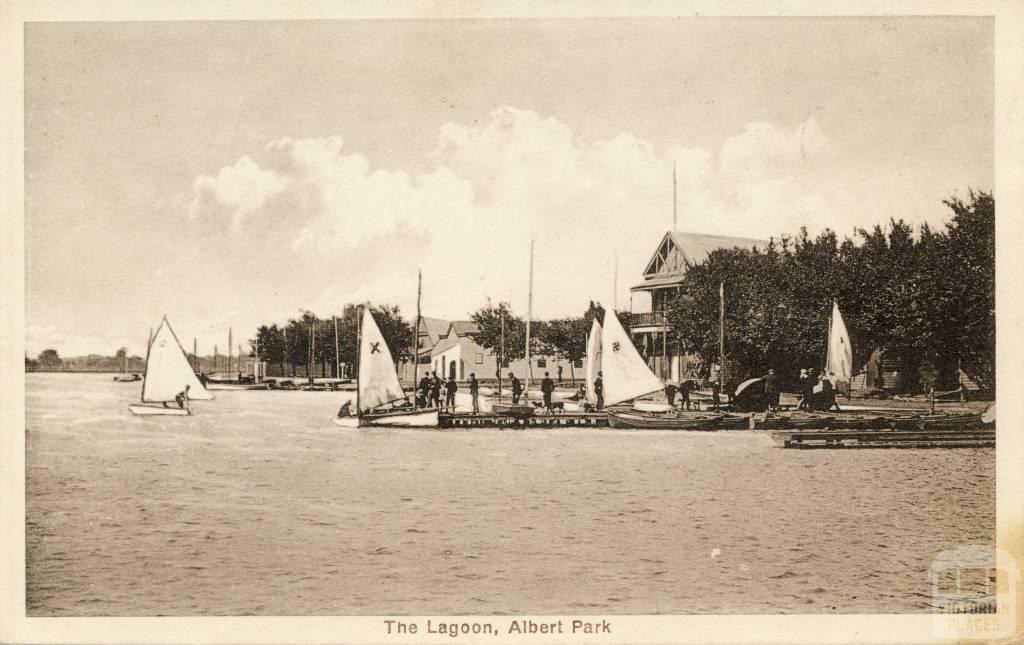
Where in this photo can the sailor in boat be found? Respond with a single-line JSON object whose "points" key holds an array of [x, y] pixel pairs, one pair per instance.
{"points": [[716, 400], [517, 388], [689, 385], [345, 410], [181, 398], [547, 387], [670, 393], [474, 392], [423, 391], [599, 389], [451, 387]]}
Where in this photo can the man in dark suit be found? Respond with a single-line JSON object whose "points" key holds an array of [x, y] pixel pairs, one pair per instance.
{"points": [[517, 388], [450, 388], [474, 391], [547, 386], [599, 390]]}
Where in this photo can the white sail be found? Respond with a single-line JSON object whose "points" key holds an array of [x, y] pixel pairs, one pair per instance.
{"points": [[593, 360], [168, 370], [626, 375], [378, 378], [839, 364]]}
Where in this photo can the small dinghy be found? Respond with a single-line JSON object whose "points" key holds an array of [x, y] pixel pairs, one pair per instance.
{"points": [[669, 421], [169, 379]]}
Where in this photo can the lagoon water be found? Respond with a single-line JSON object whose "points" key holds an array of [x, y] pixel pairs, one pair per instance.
{"points": [[259, 505]]}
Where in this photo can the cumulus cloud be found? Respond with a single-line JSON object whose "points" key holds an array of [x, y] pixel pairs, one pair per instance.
{"points": [[322, 224]]}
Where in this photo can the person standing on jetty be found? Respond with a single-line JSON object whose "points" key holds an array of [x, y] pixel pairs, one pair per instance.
{"points": [[547, 386], [771, 389], [517, 388], [599, 389], [435, 391], [474, 391], [449, 399], [716, 398]]}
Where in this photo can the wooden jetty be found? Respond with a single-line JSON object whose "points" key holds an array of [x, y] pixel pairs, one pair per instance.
{"points": [[494, 420], [930, 438]]}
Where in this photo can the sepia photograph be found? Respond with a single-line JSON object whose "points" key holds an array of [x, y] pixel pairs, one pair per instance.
{"points": [[515, 327]]}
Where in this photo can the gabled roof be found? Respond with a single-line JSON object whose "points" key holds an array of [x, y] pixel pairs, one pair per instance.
{"points": [[463, 328], [679, 250], [432, 329], [444, 345]]}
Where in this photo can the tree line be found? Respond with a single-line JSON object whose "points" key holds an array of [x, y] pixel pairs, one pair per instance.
{"points": [[926, 300]]}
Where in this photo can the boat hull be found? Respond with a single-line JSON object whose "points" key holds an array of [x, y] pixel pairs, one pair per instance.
{"points": [[127, 379], [639, 421], [418, 419], [153, 410], [236, 386], [514, 410]]}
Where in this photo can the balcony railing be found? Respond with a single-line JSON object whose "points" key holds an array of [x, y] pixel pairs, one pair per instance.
{"points": [[648, 319]]}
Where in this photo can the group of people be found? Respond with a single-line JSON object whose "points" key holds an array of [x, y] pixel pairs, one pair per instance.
{"points": [[428, 392], [816, 391]]}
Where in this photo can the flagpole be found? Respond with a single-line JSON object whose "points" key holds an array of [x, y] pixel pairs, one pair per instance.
{"points": [[501, 350], [529, 314], [721, 334], [416, 339], [337, 354]]}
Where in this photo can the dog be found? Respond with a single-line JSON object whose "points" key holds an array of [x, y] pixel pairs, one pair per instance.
{"points": [[556, 406]]}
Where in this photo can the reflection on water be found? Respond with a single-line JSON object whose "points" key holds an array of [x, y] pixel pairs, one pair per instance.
{"points": [[259, 505]]}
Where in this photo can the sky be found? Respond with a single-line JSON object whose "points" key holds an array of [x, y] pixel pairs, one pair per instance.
{"points": [[231, 174]]}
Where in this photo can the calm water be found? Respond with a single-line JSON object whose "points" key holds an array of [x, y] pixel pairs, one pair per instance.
{"points": [[258, 505]]}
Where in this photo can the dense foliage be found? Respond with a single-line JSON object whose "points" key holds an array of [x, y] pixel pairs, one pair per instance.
{"points": [[290, 345], [927, 301]]}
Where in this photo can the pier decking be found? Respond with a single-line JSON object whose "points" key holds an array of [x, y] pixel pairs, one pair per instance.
{"points": [[933, 438], [492, 420]]}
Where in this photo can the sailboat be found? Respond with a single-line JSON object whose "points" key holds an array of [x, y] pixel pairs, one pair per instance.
{"points": [[627, 377], [168, 375], [839, 360], [378, 389], [124, 376]]}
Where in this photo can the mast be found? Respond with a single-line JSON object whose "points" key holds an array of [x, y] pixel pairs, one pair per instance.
{"points": [[312, 336], [673, 195], [230, 341], [828, 340], [501, 350], [216, 366], [721, 334], [615, 284], [416, 339], [359, 352], [337, 354], [195, 355], [145, 375], [529, 314]]}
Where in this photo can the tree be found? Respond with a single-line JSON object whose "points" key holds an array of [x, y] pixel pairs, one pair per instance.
{"points": [[398, 333], [49, 360], [489, 325]]}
